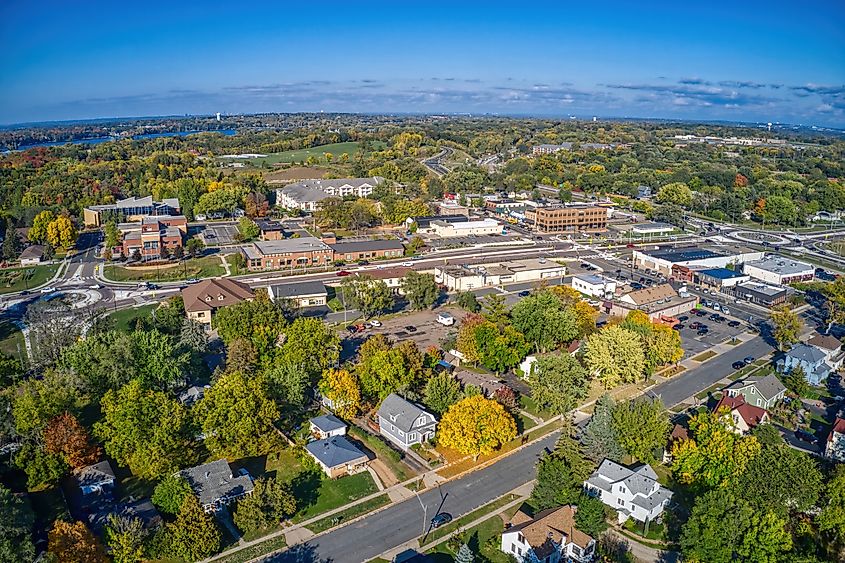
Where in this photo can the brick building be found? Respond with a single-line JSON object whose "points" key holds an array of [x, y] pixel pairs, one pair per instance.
{"points": [[567, 218], [289, 253], [367, 250], [153, 234]]}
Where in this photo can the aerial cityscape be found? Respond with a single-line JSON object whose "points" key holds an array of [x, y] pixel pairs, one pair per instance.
{"points": [[422, 283]]}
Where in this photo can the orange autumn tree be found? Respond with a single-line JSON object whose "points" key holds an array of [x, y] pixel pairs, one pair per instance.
{"points": [[66, 436], [476, 426], [74, 543]]}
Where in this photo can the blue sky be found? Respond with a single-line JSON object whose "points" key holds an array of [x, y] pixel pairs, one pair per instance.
{"points": [[738, 60]]}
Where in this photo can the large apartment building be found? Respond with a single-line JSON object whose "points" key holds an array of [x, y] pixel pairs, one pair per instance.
{"points": [[307, 194], [567, 218], [130, 209]]}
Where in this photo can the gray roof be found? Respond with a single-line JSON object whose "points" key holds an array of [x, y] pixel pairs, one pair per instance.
{"points": [[328, 422], [32, 251], [781, 265], [316, 190], [593, 279], [366, 246], [302, 244], [400, 412], [769, 386], [94, 474], [334, 451], [213, 481], [806, 353], [286, 290], [640, 481], [303, 194]]}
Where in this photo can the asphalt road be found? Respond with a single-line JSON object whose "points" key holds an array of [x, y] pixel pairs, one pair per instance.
{"points": [[403, 522], [692, 381]]}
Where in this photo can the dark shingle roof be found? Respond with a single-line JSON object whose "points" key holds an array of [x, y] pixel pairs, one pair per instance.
{"points": [[285, 290], [334, 451], [400, 412], [214, 480], [95, 474]]}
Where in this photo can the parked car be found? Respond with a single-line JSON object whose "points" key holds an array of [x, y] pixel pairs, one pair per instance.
{"points": [[375, 322], [695, 325], [748, 360], [441, 519], [678, 326], [363, 262], [408, 264], [738, 365], [805, 436], [734, 324], [343, 273], [683, 318], [48, 289], [411, 328], [702, 332], [525, 293]]}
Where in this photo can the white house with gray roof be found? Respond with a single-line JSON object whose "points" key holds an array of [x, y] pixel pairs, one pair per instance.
{"points": [[307, 194], [632, 492], [337, 456], [404, 423], [815, 361], [764, 392], [214, 484], [302, 294]]}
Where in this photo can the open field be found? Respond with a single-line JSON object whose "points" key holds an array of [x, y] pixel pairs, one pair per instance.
{"points": [[205, 267], [19, 279], [124, 320], [11, 340], [287, 157]]}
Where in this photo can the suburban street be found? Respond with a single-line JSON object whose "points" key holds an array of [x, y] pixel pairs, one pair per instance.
{"points": [[403, 522]]}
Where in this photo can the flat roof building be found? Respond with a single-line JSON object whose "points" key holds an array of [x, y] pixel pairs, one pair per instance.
{"points": [[719, 277], [759, 293], [367, 249], [466, 228], [673, 262], [130, 209], [466, 277], [653, 228], [291, 253], [565, 218], [779, 270], [594, 285]]}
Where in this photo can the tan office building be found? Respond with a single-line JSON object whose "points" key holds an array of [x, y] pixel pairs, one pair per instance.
{"points": [[567, 218]]}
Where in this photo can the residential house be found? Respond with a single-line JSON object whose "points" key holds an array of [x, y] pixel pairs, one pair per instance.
{"points": [[744, 417], [835, 446], [214, 484], [817, 363], [289, 253], [763, 392], [337, 456], [326, 426], [405, 423], [679, 433], [367, 250], [550, 537], [31, 255], [487, 384], [392, 277], [302, 294], [97, 478], [141, 509], [830, 345], [192, 394], [632, 492], [203, 298]]}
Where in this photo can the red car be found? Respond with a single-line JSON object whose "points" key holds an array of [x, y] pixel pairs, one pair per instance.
{"points": [[629, 245], [343, 273]]}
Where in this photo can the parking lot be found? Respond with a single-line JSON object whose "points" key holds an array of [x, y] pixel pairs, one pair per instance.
{"points": [[219, 235], [471, 240], [716, 332]]}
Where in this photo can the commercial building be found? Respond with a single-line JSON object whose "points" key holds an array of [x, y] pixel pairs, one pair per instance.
{"points": [[659, 302], [450, 207], [289, 253], [678, 263], [154, 234], [758, 293], [719, 277], [424, 223], [550, 536], [129, 209], [467, 228], [653, 228], [779, 270], [203, 298], [632, 492], [366, 250], [594, 286], [567, 218], [302, 294], [307, 194], [467, 277]]}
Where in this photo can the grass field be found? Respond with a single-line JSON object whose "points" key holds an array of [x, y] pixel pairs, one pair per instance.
{"points": [[287, 157], [204, 267], [11, 340], [483, 539], [349, 514], [256, 550], [18, 279], [124, 320]]}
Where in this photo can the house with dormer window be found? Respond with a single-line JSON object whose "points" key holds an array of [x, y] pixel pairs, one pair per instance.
{"points": [[550, 536], [404, 423], [202, 299], [632, 492]]}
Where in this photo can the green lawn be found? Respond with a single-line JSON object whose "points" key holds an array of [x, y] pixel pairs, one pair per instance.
{"points": [[484, 540], [704, 356], [256, 550], [349, 514], [466, 519], [124, 320], [388, 455], [331, 493], [529, 406], [287, 157], [18, 279], [11, 340], [204, 267]]}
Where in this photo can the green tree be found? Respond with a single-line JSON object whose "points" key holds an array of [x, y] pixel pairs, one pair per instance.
{"points": [[38, 232], [558, 383], [545, 321], [384, 368], [194, 535], [170, 493], [468, 301], [831, 519], [194, 247], [368, 295], [237, 416], [441, 392], [248, 229], [112, 235], [787, 326], [642, 427], [261, 321], [615, 355], [724, 529], [494, 309], [600, 440], [16, 522], [310, 345], [36, 401], [271, 502], [40, 466], [125, 538], [796, 381], [560, 476], [145, 430], [464, 555], [677, 193], [11, 245], [499, 349], [10, 370], [192, 335], [420, 290], [590, 517]]}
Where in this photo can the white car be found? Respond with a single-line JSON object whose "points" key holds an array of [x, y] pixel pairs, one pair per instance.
{"points": [[445, 319], [48, 289], [407, 264], [375, 322], [95, 286]]}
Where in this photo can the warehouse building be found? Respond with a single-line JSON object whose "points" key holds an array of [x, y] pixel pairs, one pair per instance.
{"points": [[679, 262], [779, 270], [467, 228], [467, 277], [594, 286]]}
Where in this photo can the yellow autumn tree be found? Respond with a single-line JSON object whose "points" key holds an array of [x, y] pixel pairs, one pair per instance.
{"points": [[38, 231], [476, 426], [74, 543], [342, 388], [61, 233]]}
